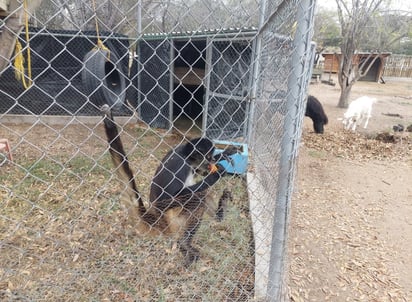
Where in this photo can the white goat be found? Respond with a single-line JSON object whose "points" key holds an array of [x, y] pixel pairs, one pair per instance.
{"points": [[358, 110]]}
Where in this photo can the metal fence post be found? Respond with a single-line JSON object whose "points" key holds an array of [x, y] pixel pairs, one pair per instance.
{"points": [[289, 145]]}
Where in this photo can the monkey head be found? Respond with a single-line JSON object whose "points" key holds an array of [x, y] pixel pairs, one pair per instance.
{"points": [[200, 153]]}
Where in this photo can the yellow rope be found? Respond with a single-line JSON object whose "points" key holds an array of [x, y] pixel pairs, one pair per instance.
{"points": [[19, 60], [100, 44], [19, 64]]}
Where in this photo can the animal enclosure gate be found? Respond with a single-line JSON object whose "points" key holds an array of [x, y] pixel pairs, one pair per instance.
{"points": [[232, 70]]}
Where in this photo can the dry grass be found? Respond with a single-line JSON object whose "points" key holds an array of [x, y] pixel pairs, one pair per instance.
{"points": [[62, 232]]}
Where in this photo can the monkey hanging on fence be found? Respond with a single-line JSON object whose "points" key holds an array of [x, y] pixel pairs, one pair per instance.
{"points": [[178, 168], [177, 204]]}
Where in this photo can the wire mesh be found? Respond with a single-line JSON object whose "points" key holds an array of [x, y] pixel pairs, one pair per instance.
{"points": [[234, 71]]}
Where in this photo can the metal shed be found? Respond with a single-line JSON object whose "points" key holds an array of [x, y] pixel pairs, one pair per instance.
{"points": [[202, 76]]}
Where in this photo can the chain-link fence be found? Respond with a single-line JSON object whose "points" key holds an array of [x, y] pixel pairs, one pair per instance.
{"points": [[234, 71]]}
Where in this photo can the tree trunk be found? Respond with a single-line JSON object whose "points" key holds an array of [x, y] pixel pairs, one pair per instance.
{"points": [[344, 96], [12, 28], [346, 77]]}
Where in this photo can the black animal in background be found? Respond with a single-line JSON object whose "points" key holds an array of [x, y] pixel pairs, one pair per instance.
{"points": [[315, 111], [179, 215]]}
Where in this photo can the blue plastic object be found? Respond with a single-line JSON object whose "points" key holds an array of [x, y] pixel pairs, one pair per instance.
{"points": [[240, 160]]}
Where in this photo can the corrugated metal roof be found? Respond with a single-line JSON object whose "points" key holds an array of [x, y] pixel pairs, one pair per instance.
{"points": [[216, 33], [385, 54]]}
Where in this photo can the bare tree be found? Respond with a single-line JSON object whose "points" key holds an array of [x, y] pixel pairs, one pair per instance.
{"points": [[391, 26], [111, 15], [354, 18], [192, 15]]}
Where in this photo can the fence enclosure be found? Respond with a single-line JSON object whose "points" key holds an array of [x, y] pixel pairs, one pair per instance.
{"points": [[398, 66], [234, 71]]}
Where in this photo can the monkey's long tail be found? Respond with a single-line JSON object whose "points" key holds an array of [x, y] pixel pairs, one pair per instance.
{"points": [[119, 157], [121, 163]]}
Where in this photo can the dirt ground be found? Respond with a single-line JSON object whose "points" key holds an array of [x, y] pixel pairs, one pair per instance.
{"points": [[351, 234]]}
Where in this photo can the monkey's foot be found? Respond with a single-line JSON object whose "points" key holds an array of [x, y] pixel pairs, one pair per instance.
{"points": [[192, 255]]}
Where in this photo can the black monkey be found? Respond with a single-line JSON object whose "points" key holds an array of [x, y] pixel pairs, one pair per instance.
{"points": [[179, 166], [180, 215], [315, 111], [178, 169]]}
